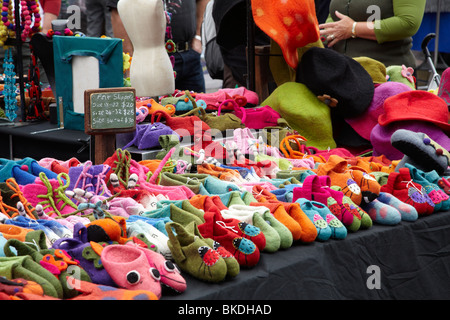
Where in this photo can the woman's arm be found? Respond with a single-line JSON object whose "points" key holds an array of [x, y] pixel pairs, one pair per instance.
{"points": [[408, 15], [406, 21]]}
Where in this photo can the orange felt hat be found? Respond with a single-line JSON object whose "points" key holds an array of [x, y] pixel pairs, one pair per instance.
{"points": [[289, 24]]}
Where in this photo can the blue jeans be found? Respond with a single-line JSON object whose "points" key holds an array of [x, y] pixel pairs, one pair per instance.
{"points": [[189, 71]]}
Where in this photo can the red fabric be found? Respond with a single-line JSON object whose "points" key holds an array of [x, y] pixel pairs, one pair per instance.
{"points": [[51, 6], [415, 105]]}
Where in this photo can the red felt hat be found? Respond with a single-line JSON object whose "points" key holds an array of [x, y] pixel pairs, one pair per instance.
{"points": [[415, 105]]}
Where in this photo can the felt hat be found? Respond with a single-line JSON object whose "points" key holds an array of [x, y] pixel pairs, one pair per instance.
{"points": [[364, 123], [416, 105], [337, 79], [401, 74], [290, 25], [421, 150], [304, 112], [380, 137], [375, 68], [444, 86]]}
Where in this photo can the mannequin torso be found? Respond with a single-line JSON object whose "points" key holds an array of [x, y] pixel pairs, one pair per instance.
{"points": [[151, 72]]}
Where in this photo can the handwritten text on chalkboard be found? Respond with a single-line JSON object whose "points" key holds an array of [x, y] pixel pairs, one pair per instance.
{"points": [[112, 110]]}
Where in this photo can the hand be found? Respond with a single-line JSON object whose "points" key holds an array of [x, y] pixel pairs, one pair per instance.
{"points": [[338, 30], [197, 45]]}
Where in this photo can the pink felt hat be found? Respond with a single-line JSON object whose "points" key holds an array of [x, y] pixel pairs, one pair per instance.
{"points": [[380, 137], [444, 86], [364, 123]]}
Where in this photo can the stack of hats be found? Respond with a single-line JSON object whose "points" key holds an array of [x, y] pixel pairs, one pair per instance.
{"points": [[414, 110], [343, 84]]}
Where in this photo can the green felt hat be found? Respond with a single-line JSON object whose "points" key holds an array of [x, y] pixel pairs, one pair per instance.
{"points": [[304, 112], [375, 68]]}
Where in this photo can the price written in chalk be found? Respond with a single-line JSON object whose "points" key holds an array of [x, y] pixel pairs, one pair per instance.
{"points": [[112, 110]]}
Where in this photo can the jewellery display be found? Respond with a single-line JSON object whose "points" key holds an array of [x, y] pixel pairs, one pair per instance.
{"points": [[9, 90]]}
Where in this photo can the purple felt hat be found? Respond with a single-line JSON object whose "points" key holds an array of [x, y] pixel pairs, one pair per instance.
{"points": [[380, 137], [364, 123]]}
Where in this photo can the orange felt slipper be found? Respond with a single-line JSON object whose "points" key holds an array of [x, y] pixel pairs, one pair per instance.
{"points": [[370, 188], [221, 173], [152, 106], [280, 213], [309, 230], [10, 231], [337, 169]]}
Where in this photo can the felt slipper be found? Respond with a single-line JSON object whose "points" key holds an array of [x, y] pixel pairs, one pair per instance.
{"points": [[129, 268], [337, 169], [407, 212], [253, 216], [171, 277], [153, 235], [286, 238], [441, 200], [231, 238], [279, 212], [382, 213], [242, 229], [402, 187], [194, 256], [87, 257], [233, 267], [16, 267], [312, 189]]}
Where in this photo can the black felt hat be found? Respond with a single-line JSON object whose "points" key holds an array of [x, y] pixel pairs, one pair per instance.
{"points": [[336, 79]]}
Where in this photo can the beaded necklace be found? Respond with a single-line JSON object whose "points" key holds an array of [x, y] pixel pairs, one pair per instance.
{"points": [[29, 12], [9, 90]]}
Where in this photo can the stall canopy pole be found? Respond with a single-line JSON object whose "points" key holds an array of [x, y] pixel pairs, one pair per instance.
{"points": [[436, 42], [19, 66], [250, 48]]}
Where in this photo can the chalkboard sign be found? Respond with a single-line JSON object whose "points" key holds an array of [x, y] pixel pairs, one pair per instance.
{"points": [[110, 110]]}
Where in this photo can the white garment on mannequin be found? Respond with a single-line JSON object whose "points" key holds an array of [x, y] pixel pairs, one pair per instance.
{"points": [[151, 72]]}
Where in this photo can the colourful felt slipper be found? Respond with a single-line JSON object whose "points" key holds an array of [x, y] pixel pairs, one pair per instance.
{"points": [[248, 231], [279, 212], [382, 213], [286, 239], [370, 188], [338, 230], [323, 230], [194, 256], [441, 200], [253, 215], [128, 266], [171, 277], [152, 234], [364, 221], [233, 267], [407, 211], [337, 169], [313, 189], [24, 267], [230, 237], [88, 256], [402, 187]]}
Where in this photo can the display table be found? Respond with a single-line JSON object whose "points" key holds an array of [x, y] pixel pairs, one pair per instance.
{"points": [[39, 140], [413, 260]]}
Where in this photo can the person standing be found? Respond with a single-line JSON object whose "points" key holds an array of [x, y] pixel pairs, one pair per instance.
{"points": [[98, 18], [381, 31], [186, 17]]}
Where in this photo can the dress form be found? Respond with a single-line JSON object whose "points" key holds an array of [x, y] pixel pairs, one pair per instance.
{"points": [[151, 72]]}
